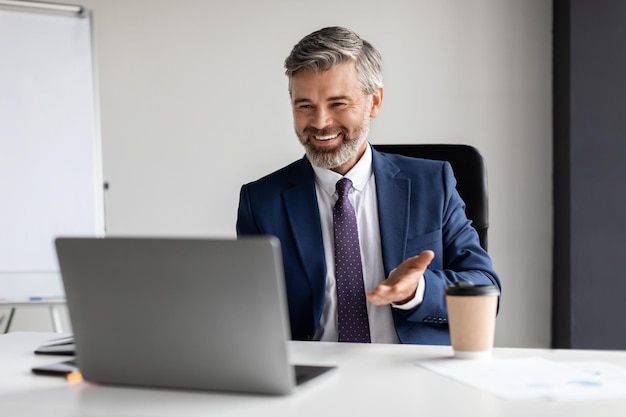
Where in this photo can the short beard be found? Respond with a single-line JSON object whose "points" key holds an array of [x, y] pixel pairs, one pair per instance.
{"points": [[333, 158]]}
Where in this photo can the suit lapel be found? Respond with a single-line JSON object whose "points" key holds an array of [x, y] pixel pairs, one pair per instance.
{"points": [[393, 194], [302, 213]]}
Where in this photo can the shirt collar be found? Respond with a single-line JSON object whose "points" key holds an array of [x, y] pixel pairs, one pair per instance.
{"points": [[359, 174]]}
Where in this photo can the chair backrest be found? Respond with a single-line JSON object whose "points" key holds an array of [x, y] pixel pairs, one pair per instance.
{"points": [[470, 172]]}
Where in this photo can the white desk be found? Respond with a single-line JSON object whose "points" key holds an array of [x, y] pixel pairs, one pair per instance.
{"points": [[371, 380]]}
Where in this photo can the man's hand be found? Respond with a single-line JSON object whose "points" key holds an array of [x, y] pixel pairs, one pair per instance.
{"points": [[402, 283]]}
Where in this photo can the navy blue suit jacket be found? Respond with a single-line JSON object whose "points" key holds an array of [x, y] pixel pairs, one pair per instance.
{"points": [[418, 207]]}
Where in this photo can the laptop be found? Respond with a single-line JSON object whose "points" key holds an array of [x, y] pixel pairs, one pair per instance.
{"points": [[206, 314]]}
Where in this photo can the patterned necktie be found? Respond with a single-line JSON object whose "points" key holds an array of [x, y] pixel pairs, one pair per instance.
{"points": [[352, 322]]}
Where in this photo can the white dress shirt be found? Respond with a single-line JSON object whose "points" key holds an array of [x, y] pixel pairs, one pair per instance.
{"points": [[363, 199]]}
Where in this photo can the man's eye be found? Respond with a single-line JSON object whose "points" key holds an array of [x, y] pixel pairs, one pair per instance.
{"points": [[339, 104], [305, 106]]}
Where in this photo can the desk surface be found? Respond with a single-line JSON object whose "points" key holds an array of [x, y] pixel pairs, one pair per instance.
{"points": [[370, 380]]}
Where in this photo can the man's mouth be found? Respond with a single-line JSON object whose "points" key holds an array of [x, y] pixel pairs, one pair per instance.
{"points": [[326, 137]]}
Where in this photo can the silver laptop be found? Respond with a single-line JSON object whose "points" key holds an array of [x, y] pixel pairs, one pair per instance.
{"points": [[206, 314]]}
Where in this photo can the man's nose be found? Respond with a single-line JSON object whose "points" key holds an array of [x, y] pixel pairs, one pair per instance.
{"points": [[321, 118]]}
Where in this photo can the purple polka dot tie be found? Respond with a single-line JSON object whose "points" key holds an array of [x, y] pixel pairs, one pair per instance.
{"points": [[352, 322]]}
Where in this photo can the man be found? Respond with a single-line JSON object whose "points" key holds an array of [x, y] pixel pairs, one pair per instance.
{"points": [[414, 238]]}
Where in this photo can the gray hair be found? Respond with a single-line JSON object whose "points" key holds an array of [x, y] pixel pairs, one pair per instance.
{"points": [[327, 47]]}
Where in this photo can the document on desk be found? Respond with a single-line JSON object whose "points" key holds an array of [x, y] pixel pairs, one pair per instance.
{"points": [[534, 377]]}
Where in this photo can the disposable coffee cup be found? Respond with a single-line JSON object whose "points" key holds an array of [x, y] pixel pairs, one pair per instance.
{"points": [[472, 313]]}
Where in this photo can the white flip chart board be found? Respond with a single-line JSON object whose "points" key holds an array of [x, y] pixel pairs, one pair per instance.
{"points": [[50, 153]]}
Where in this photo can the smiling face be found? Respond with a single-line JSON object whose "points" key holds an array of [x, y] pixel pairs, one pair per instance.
{"points": [[332, 114]]}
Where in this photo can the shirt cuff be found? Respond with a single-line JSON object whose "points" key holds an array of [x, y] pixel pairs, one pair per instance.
{"points": [[417, 300]]}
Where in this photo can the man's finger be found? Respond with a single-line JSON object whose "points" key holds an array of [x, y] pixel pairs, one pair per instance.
{"points": [[377, 299], [421, 261]]}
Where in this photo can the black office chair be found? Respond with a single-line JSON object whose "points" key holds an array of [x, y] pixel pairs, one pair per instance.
{"points": [[470, 172]]}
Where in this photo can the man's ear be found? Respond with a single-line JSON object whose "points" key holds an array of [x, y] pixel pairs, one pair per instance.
{"points": [[377, 101]]}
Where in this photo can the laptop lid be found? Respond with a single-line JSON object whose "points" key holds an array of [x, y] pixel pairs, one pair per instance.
{"points": [[204, 314]]}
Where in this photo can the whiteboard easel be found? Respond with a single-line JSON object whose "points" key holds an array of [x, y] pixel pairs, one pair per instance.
{"points": [[50, 148]]}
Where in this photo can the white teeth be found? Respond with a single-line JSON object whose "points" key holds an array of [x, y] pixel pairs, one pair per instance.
{"points": [[328, 137]]}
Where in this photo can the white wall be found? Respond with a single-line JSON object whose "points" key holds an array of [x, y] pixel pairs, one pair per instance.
{"points": [[194, 104]]}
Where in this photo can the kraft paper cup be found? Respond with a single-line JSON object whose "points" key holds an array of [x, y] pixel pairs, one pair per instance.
{"points": [[472, 319]]}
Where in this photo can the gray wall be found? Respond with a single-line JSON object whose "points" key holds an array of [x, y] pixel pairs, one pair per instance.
{"points": [[194, 103], [590, 167]]}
